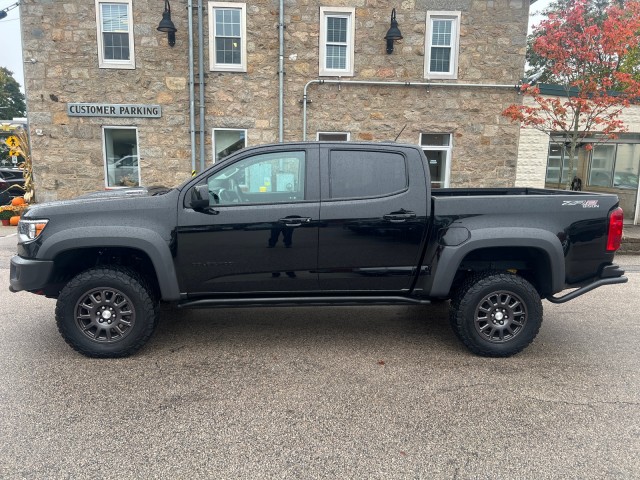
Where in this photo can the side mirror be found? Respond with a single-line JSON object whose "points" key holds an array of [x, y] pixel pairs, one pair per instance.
{"points": [[200, 197]]}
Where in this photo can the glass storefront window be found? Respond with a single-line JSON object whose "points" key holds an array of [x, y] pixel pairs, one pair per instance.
{"points": [[557, 164], [602, 161], [627, 168], [121, 157]]}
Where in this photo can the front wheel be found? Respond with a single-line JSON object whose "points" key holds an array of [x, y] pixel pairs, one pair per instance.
{"points": [[496, 314], [106, 312]]}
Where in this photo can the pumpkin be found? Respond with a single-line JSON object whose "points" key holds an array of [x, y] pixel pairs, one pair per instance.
{"points": [[17, 201], [13, 221]]}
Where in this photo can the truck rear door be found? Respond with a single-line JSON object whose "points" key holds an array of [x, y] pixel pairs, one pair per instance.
{"points": [[373, 217]]}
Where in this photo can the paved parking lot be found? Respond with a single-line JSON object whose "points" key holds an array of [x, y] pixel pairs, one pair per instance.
{"points": [[384, 392]]}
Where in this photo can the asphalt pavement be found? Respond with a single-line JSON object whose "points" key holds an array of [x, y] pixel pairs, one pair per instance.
{"points": [[350, 392]]}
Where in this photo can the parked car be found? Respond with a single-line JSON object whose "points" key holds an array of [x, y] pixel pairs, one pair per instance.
{"points": [[10, 181]]}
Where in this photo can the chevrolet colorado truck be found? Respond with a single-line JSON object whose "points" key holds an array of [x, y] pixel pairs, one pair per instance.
{"points": [[315, 224]]}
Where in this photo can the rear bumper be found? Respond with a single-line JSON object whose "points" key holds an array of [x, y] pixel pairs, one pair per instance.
{"points": [[610, 275], [28, 274]]}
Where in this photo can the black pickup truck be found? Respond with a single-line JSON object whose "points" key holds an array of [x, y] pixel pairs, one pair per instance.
{"points": [[315, 224]]}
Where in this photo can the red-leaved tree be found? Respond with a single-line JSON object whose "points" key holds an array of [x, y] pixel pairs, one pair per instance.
{"points": [[585, 58]]}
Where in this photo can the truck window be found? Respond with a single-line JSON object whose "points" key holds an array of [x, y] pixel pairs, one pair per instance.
{"points": [[362, 174], [265, 178]]}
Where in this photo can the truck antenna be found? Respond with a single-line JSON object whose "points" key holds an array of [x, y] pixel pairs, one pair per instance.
{"points": [[396, 139]]}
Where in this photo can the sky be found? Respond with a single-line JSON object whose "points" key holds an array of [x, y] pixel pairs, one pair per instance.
{"points": [[11, 44]]}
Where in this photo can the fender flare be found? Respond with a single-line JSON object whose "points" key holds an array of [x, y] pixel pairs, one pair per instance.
{"points": [[449, 258], [143, 239]]}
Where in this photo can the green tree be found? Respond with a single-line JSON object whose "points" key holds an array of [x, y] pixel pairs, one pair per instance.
{"points": [[12, 103]]}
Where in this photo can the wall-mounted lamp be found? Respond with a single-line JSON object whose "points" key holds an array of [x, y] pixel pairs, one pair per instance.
{"points": [[393, 33], [166, 25]]}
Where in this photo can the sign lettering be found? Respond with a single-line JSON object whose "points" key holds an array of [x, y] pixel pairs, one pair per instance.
{"points": [[113, 110]]}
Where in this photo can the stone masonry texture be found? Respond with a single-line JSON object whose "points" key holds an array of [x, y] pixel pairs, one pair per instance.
{"points": [[68, 154]]}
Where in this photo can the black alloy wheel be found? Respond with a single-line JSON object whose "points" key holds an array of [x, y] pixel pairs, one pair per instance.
{"points": [[105, 315], [500, 316]]}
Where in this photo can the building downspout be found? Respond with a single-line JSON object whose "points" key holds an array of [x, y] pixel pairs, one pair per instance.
{"points": [[636, 216], [201, 84], [281, 75], [391, 84], [192, 96]]}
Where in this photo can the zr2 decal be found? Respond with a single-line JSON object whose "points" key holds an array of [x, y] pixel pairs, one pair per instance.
{"points": [[584, 203]]}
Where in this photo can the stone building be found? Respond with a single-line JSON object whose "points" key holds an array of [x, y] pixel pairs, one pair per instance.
{"points": [[111, 103]]}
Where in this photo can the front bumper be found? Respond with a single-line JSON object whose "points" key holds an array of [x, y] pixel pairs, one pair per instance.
{"points": [[28, 274], [610, 275]]}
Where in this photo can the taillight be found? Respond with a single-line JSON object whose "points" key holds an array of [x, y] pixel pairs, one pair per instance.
{"points": [[616, 219]]}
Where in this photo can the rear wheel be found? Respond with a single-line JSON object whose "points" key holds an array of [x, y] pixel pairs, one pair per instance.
{"points": [[496, 314], [107, 312]]}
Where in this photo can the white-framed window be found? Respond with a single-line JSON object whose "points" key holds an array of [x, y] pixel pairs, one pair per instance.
{"points": [[121, 160], [337, 41], [228, 37], [226, 141], [557, 163], [114, 20], [615, 165], [442, 42], [437, 148], [333, 136]]}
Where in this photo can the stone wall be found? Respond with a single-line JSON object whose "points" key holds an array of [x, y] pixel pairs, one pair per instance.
{"points": [[68, 158]]}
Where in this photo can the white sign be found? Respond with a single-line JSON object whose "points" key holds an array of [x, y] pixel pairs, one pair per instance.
{"points": [[113, 110]]}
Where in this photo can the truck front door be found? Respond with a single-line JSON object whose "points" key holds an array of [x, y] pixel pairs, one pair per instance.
{"points": [[260, 232]]}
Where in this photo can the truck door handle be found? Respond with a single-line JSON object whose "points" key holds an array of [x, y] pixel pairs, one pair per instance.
{"points": [[294, 221], [399, 217]]}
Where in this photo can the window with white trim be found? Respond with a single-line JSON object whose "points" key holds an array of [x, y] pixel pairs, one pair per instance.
{"points": [[120, 149], [228, 37], [615, 165], [437, 149], [337, 40], [441, 45], [333, 136], [114, 20], [226, 141]]}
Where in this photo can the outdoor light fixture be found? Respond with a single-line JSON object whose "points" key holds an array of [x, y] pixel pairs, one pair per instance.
{"points": [[393, 33], [166, 25], [4, 11]]}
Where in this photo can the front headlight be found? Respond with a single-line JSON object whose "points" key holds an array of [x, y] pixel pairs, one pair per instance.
{"points": [[29, 230]]}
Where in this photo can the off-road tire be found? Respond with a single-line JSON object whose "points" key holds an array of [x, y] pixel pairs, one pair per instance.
{"points": [[107, 312], [490, 304]]}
